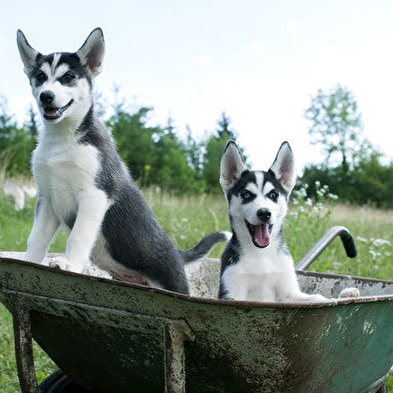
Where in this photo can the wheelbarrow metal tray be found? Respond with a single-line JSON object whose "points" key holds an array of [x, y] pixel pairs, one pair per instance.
{"points": [[113, 336]]}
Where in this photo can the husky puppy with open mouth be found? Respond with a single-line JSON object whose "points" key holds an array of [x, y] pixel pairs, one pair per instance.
{"points": [[83, 184], [256, 264]]}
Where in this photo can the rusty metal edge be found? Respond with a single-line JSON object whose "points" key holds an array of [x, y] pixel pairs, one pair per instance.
{"points": [[24, 348], [227, 303]]}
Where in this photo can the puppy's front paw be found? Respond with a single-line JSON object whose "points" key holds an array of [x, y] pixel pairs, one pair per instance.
{"points": [[60, 262], [317, 298], [349, 292]]}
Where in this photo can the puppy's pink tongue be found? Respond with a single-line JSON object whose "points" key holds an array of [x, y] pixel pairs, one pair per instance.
{"points": [[261, 235], [51, 111]]}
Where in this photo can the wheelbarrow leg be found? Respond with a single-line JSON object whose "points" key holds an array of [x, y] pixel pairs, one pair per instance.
{"points": [[175, 373], [24, 350]]}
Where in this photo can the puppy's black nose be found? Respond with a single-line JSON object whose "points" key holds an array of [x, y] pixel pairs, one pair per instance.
{"points": [[47, 97], [264, 215]]}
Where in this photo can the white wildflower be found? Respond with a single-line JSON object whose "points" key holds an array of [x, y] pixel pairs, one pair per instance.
{"points": [[381, 242], [308, 201], [361, 239], [332, 196]]}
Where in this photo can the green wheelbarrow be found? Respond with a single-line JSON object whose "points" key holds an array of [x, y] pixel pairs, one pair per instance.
{"points": [[114, 337]]}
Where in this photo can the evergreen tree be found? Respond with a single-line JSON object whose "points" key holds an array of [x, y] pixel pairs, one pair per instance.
{"points": [[134, 141], [194, 153], [171, 169], [32, 123], [214, 148]]}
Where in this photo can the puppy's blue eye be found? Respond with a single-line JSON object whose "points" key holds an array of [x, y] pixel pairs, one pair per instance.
{"points": [[246, 195], [273, 195]]}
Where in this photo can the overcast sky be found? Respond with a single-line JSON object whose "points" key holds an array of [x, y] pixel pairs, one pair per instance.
{"points": [[259, 61]]}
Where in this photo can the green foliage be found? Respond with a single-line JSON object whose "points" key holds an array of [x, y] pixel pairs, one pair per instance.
{"points": [[368, 183], [214, 148], [16, 144], [171, 169], [372, 183], [336, 124], [134, 141], [194, 154], [154, 155], [211, 165], [360, 177]]}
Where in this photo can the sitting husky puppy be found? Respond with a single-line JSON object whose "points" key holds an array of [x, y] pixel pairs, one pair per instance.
{"points": [[256, 264], [83, 184]]}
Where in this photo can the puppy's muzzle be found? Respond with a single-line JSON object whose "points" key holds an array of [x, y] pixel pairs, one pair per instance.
{"points": [[264, 215], [47, 97]]}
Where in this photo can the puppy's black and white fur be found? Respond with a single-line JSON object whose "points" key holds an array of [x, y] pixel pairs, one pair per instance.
{"points": [[83, 184], [256, 264]]}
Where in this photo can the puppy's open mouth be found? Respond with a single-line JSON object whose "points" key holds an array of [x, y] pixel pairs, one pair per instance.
{"points": [[260, 234], [51, 113]]}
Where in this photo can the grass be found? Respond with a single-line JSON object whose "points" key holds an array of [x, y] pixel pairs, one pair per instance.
{"points": [[187, 219]]}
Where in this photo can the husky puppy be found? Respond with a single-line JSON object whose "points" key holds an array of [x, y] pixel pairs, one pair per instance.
{"points": [[83, 184], [256, 264]]}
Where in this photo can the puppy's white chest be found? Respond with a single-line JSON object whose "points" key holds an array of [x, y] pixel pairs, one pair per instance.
{"points": [[64, 169], [256, 278]]}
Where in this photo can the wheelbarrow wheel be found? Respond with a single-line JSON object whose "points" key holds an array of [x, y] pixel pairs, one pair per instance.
{"points": [[58, 382]]}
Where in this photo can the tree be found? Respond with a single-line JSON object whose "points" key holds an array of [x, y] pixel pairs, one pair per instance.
{"points": [[223, 130], [7, 125], [171, 170], [214, 148], [154, 154], [336, 124], [194, 153], [32, 123], [134, 141], [16, 144]]}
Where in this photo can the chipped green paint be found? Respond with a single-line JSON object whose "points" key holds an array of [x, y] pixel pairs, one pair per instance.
{"points": [[114, 336]]}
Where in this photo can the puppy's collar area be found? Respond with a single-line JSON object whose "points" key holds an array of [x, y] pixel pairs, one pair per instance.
{"points": [[260, 234], [52, 113]]}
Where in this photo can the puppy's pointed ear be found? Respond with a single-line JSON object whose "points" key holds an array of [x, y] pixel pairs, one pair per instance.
{"points": [[232, 166], [91, 53], [284, 167], [26, 52]]}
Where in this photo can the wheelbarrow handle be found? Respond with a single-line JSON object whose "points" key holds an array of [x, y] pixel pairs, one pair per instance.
{"points": [[324, 241]]}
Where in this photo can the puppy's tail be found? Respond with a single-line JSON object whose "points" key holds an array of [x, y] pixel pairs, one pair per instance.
{"points": [[205, 246]]}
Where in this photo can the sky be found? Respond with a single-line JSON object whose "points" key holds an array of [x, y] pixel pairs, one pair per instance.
{"points": [[259, 61]]}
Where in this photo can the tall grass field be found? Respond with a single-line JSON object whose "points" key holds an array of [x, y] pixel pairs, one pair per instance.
{"points": [[188, 219]]}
